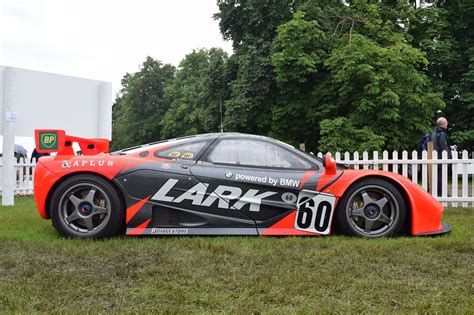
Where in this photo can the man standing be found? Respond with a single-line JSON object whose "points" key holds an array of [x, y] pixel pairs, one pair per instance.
{"points": [[440, 137], [441, 143]]}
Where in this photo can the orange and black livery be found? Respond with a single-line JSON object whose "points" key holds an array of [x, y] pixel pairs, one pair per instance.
{"points": [[220, 184]]}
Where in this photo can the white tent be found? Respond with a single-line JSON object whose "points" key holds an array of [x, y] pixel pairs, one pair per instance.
{"points": [[32, 100]]}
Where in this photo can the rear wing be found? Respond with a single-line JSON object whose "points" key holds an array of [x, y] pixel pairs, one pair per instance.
{"points": [[55, 140]]}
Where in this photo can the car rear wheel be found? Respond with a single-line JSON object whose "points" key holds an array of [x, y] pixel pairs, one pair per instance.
{"points": [[371, 208], [87, 206]]}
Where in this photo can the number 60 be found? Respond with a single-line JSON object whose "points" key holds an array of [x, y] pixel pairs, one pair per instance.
{"points": [[308, 209]]}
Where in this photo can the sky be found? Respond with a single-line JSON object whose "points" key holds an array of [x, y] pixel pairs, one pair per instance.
{"points": [[104, 39]]}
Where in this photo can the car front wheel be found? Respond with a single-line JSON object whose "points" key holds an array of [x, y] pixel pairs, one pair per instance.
{"points": [[371, 208]]}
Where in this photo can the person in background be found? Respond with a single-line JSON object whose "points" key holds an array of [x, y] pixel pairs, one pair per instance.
{"points": [[20, 153], [440, 137], [21, 156], [423, 144], [441, 143], [36, 155]]}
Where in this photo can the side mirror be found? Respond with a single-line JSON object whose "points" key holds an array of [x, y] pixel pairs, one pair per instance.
{"points": [[330, 166]]}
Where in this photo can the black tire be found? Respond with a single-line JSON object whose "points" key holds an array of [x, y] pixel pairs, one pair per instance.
{"points": [[371, 208], [87, 206]]}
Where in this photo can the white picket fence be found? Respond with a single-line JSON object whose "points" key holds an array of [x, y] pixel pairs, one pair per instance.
{"points": [[456, 190], [24, 173]]}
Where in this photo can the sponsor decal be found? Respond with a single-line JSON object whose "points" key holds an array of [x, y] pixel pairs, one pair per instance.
{"points": [[314, 212], [251, 178], [288, 197], [273, 181], [178, 154], [169, 231], [165, 166], [289, 182], [223, 195], [229, 174], [83, 163], [174, 154], [48, 140], [187, 155]]}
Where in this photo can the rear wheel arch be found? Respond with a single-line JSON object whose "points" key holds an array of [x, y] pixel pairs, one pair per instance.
{"points": [[65, 177], [87, 205]]}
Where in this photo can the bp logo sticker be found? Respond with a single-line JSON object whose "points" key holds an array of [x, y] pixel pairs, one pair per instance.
{"points": [[48, 140]]}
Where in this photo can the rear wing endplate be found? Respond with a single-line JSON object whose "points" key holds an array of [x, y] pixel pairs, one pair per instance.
{"points": [[55, 140]]}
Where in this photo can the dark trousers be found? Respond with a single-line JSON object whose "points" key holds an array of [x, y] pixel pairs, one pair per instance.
{"points": [[440, 178]]}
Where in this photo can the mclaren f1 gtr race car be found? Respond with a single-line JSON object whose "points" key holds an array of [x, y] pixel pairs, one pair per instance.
{"points": [[220, 184]]}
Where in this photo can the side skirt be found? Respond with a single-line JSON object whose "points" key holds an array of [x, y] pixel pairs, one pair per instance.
{"points": [[191, 231]]}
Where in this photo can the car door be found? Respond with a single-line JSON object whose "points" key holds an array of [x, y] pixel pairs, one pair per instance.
{"points": [[176, 199], [257, 177]]}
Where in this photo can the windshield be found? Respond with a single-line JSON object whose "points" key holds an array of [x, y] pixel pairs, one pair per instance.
{"points": [[157, 144]]}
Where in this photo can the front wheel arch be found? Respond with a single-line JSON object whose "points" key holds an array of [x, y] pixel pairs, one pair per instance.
{"points": [[408, 222], [406, 228]]}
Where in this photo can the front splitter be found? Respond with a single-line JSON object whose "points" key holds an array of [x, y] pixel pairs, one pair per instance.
{"points": [[445, 229]]}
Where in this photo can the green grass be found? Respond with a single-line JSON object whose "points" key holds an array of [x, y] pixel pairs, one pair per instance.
{"points": [[42, 272]]}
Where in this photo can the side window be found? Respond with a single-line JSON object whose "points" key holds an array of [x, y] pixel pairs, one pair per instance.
{"points": [[186, 151], [249, 152]]}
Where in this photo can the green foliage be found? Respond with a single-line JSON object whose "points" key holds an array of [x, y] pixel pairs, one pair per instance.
{"points": [[381, 88], [140, 105], [249, 21], [298, 51], [218, 77], [339, 135], [363, 71], [187, 96], [445, 31], [252, 92], [252, 25], [195, 94], [317, 72], [298, 54]]}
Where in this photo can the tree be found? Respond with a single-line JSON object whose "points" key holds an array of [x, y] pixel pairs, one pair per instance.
{"points": [[363, 71], [457, 70], [381, 88], [340, 134], [140, 105], [195, 94], [337, 75], [251, 21], [445, 32], [252, 25], [219, 74], [253, 92], [298, 54]]}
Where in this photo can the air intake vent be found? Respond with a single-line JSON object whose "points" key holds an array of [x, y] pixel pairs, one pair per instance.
{"points": [[167, 217], [164, 216]]}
